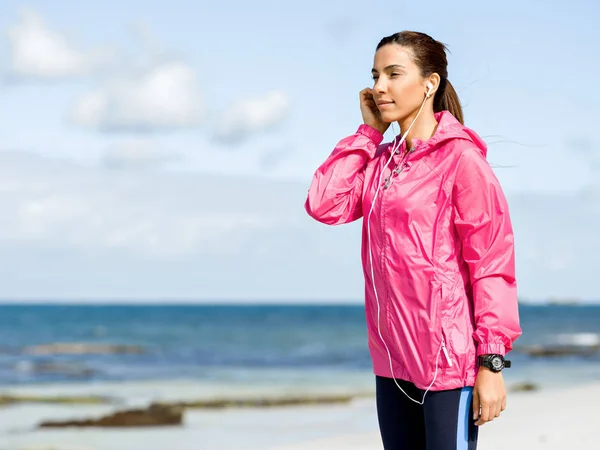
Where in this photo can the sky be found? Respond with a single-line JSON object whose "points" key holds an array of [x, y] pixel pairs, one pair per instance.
{"points": [[163, 150]]}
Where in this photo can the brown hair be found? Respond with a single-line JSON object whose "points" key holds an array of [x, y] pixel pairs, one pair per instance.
{"points": [[430, 56]]}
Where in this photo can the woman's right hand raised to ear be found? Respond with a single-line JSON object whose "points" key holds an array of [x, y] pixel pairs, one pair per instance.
{"points": [[370, 113]]}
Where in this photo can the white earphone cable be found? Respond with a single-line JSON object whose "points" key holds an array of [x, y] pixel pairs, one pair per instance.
{"points": [[394, 149]]}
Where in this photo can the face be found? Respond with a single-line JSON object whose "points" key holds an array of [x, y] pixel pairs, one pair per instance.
{"points": [[398, 88]]}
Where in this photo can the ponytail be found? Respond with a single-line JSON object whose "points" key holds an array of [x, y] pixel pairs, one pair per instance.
{"points": [[448, 100]]}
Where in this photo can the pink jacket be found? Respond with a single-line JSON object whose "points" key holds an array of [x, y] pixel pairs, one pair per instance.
{"points": [[443, 250]]}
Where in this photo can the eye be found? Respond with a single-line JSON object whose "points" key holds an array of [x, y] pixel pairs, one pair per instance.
{"points": [[375, 77], [395, 74]]}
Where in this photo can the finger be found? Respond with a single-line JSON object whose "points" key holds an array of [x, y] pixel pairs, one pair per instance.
{"points": [[503, 403], [498, 409], [475, 405], [485, 415], [366, 97]]}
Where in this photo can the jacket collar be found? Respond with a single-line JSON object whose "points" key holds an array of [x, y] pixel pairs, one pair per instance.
{"points": [[448, 128]]}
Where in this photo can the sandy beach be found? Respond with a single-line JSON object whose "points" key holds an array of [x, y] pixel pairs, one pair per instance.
{"points": [[554, 418], [551, 420]]}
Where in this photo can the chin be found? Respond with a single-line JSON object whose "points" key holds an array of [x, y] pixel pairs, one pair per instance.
{"points": [[391, 116]]}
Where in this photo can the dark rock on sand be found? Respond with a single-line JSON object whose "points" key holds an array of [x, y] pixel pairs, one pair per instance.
{"points": [[263, 402], [14, 399], [152, 416], [524, 387]]}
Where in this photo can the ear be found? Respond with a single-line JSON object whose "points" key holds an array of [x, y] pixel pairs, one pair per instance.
{"points": [[432, 83]]}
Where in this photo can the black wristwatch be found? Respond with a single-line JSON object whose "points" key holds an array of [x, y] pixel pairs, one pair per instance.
{"points": [[493, 362]]}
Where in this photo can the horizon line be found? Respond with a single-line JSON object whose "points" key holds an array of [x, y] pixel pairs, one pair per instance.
{"points": [[149, 301]]}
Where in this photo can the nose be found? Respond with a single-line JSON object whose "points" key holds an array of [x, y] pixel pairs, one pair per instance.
{"points": [[380, 85]]}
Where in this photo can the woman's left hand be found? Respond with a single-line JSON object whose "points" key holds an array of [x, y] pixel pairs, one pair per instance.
{"points": [[489, 396]]}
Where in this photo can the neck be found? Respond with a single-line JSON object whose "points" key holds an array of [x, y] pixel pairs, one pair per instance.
{"points": [[423, 128]]}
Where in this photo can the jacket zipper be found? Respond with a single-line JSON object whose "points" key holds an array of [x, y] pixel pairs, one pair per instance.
{"points": [[446, 352], [395, 172], [398, 170], [388, 181]]}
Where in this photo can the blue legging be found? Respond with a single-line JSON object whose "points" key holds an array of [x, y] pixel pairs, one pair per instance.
{"points": [[444, 422]]}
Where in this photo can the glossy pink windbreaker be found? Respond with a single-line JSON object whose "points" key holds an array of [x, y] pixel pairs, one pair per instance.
{"points": [[443, 250]]}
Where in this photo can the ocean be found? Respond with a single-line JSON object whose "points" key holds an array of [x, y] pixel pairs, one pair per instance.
{"points": [[253, 345]]}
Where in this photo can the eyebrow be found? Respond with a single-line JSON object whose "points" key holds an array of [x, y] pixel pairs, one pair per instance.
{"points": [[390, 67]]}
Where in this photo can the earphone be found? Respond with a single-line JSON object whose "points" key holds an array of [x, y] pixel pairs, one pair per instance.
{"points": [[429, 89], [388, 182]]}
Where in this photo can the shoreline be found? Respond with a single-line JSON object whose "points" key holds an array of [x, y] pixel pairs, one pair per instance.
{"points": [[200, 394]]}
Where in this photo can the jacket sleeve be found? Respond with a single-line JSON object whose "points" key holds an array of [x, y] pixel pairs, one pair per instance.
{"points": [[483, 223], [335, 193]]}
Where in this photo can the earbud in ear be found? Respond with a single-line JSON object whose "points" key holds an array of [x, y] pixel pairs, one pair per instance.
{"points": [[429, 89]]}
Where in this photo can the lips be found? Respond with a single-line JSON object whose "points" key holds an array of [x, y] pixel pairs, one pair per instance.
{"points": [[381, 103]]}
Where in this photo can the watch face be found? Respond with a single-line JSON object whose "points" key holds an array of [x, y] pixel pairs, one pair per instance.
{"points": [[497, 363]]}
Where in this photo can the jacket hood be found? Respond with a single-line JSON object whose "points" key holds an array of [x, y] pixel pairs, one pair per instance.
{"points": [[449, 128]]}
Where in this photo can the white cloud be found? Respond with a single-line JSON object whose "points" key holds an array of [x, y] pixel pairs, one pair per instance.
{"points": [[37, 51], [165, 96], [252, 115]]}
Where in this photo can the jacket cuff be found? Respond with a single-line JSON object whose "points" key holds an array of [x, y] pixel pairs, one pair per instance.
{"points": [[486, 349], [371, 133]]}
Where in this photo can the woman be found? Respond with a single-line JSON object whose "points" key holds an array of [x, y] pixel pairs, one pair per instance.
{"points": [[437, 250]]}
